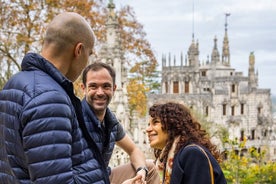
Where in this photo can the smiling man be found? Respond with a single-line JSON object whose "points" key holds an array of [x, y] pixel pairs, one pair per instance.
{"points": [[99, 87]]}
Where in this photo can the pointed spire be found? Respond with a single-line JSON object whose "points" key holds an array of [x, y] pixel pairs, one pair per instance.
{"points": [[215, 52], [169, 59], [186, 60], [112, 27], [251, 71], [162, 58], [181, 58], [225, 49], [112, 18], [111, 5], [251, 60], [193, 53], [226, 15], [165, 60]]}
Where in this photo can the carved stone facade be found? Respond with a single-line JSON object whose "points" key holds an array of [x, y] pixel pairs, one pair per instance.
{"points": [[112, 53], [223, 95], [213, 88]]}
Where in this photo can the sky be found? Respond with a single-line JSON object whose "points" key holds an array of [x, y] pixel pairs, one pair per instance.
{"points": [[169, 26]]}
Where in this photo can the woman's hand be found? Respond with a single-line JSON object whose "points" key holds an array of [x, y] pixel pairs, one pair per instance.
{"points": [[135, 180], [142, 173]]}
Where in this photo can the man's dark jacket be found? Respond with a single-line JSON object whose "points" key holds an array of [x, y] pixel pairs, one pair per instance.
{"points": [[42, 134], [105, 138]]}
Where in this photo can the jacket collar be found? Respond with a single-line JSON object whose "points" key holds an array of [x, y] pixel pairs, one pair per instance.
{"points": [[34, 61], [109, 118]]}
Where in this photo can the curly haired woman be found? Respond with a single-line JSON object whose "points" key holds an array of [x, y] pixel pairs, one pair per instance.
{"points": [[183, 150]]}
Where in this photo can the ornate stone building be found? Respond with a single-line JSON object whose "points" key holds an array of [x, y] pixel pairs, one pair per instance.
{"points": [[223, 95], [213, 88]]}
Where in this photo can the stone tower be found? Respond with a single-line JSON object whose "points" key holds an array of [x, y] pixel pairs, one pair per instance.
{"points": [[113, 54]]}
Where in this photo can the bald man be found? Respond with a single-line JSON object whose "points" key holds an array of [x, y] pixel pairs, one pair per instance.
{"points": [[42, 137]]}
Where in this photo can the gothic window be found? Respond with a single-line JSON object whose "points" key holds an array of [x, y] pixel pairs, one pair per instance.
{"points": [[259, 110], [187, 87], [206, 111], [233, 88], [233, 110], [175, 87], [223, 109], [166, 87], [242, 108], [242, 135], [264, 132], [253, 134], [203, 73], [206, 89]]}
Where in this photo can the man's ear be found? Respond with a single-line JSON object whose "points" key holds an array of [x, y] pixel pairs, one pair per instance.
{"points": [[78, 49], [83, 88], [114, 87]]}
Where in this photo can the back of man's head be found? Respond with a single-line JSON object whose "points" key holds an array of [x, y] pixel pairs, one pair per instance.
{"points": [[66, 30], [68, 43]]}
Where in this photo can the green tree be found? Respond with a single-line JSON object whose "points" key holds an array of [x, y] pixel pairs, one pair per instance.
{"points": [[247, 166], [152, 81], [146, 77]]}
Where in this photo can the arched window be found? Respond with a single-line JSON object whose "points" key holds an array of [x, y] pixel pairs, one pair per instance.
{"points": [[233, 89], [233, 110], [166, 87], [223, 109], [206, 111], [242, 109], [175, 87], [186, 87]]}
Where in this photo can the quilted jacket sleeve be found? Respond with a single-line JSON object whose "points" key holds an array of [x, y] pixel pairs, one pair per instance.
{"points": [[47, 138]]}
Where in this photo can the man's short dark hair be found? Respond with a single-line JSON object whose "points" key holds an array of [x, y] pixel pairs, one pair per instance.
{"points": [[96, 67]]}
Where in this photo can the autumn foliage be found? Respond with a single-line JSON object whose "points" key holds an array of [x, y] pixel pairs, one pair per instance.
{"points": [[137, 97], [23, 23]]}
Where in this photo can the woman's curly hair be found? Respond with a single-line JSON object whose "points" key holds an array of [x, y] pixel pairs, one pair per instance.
{"points": [[177, 121]]}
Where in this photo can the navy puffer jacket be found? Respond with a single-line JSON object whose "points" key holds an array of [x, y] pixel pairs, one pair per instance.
{"points": [[114, 131], [42, 134]]}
